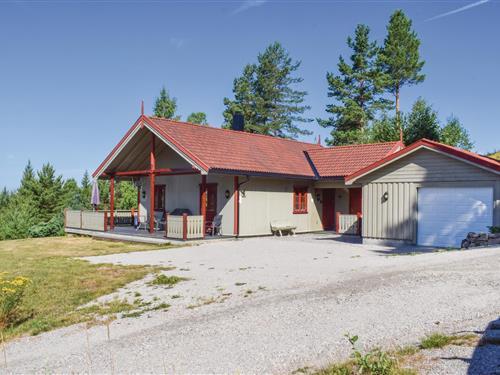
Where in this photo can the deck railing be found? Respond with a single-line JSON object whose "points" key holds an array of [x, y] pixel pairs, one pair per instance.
{"points": [[178, 227], [348, 224]]}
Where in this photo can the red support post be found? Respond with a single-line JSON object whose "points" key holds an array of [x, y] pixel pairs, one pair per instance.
{"points": [[184, 226], [105, 221], [360, 222], [236, 203], [337, 222], [112, 202], [203, 202], [152, 165]]}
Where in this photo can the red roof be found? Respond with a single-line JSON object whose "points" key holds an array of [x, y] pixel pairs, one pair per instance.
{"points": [[229, 150], [481, 160], [341, 161]]}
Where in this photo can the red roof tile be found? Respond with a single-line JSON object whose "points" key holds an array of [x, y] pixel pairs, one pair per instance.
{"points": [[339, 161], [223, 149]]}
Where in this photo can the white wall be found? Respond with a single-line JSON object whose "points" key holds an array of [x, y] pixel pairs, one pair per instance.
{"points": [[265, 199]]}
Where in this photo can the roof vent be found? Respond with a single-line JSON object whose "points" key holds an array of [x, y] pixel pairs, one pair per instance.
{"points": [[238, 122]]}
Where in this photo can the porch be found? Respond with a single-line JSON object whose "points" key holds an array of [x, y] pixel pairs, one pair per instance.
{"points": [[176, 229], [341, 208]]}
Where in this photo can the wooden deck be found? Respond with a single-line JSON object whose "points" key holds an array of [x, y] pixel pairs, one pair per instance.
{"points": [[129, 234]]}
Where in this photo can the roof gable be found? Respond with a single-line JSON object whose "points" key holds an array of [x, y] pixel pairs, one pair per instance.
{"points": [[450, 151]]}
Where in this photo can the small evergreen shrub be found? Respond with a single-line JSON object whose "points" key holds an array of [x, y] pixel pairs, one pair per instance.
{"points": [[51, 228]]}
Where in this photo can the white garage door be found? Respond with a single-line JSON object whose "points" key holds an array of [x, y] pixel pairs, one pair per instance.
{"points": [[446, 215]]}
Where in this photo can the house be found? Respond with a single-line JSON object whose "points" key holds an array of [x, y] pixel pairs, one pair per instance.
{"points": [[426, 193]]}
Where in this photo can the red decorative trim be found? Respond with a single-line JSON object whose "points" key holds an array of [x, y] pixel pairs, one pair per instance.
{"points": [[203, 201], [152, 166], [139, 121], [466, 155], [236, 203], [302, 193]]}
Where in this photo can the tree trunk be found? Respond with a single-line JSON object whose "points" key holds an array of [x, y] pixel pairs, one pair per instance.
{"points": [[398, 117]]}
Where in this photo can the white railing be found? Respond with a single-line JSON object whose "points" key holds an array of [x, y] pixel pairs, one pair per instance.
{"points": [[174, 226], [194, 227], [93, 220], [185, 227], [348, 224], [73, 218]]}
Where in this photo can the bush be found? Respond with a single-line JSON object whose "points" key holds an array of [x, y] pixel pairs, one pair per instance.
{"points": [[11, 295], [494, 229], [51, 228]]}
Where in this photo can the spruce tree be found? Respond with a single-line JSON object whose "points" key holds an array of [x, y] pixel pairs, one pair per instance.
{"points": [[4, 198], [266, 95], [197, 118], [454, 134], [48, 193], [399, 57], [356, 89], [422, 123], [27, 181], [85, 191], [386, 128], [165, 106]]}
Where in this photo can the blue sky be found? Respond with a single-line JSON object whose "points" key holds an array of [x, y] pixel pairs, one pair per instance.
{"points": [[73, 73]]}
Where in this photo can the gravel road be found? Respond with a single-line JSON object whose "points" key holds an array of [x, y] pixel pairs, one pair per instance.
{"points": [[273, 305]]}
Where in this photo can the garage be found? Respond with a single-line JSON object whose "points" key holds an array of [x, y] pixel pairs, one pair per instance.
{"points": [[447, 214]]}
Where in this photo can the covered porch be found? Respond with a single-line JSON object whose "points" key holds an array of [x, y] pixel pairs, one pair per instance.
{"points": [[176, 197]]}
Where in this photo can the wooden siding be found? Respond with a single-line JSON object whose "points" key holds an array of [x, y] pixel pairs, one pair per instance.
{"points": [[396, 218]]}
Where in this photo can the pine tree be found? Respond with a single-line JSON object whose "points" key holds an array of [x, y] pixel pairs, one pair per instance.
{"points": [[165, 106], [48, 193], [399, 57], [266, 96], [4, 198], [356, 89], [27, 181], [454, 134], [85, 191], [197, 118], [386, 128], [422, 123]]}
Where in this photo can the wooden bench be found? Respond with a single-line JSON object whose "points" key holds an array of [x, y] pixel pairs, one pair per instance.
{"points": [[280, 226]]}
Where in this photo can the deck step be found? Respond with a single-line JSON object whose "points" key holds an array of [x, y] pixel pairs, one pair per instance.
{"points": [[492, 336]]}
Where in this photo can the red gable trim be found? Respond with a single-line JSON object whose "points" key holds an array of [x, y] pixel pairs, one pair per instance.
{"points": [[122, 141], [468, 156]]}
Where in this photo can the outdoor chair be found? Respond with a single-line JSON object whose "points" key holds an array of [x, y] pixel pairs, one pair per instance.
{"points": [[215, 227]]}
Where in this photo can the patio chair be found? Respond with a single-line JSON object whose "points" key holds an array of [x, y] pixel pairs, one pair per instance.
{"points": [[143, 223], [216, 226]]}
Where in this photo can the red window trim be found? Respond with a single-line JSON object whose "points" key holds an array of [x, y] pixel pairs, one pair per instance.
{"points": [[160, 187], [300, 193]]}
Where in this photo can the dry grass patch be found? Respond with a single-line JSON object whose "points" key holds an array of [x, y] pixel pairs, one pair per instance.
{"points": [[60, 283]]}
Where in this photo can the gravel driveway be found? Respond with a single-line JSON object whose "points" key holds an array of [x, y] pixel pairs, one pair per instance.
{"points": [[274, 305]]}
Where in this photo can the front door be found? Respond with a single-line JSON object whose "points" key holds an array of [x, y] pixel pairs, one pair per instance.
{"points": [[328, 209], [211, 202]]}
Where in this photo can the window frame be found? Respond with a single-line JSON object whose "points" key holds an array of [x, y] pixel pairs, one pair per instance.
{"points": [[300, 196]]}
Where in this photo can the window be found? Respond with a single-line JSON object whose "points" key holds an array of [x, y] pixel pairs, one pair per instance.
{"points": [[300, 200], [159, 197]]}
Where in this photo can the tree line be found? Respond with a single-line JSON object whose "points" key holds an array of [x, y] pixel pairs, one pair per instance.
{"points": [[36, 208], [365, 93]]}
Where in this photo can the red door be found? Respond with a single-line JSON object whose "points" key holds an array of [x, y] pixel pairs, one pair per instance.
{"points": [[328, 209], [211, 203], [355, 201]]}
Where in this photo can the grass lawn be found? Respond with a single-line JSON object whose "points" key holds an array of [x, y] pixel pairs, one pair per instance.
{"points": [[60, 283]]}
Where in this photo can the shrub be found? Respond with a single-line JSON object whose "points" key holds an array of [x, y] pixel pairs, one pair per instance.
{"points": [[11, 296], [494, 229], [51, 228]]}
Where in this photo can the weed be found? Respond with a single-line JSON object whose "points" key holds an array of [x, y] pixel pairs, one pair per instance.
{"points": [[137, 294], [438, 340], [166, 280], [176, 296], [240, 284]]}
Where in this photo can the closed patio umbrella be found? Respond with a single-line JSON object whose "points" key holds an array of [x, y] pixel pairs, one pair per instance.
{"points": [[94, 199]]}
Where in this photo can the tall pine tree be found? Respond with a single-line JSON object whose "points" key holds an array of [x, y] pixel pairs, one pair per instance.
{"points": [[165, 106], [266, 96], [399, 57], [356, 89]]}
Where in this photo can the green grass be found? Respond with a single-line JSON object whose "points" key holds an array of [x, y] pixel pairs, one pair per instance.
{"points": [[61, 284], [438, 340], [167, 280]]}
